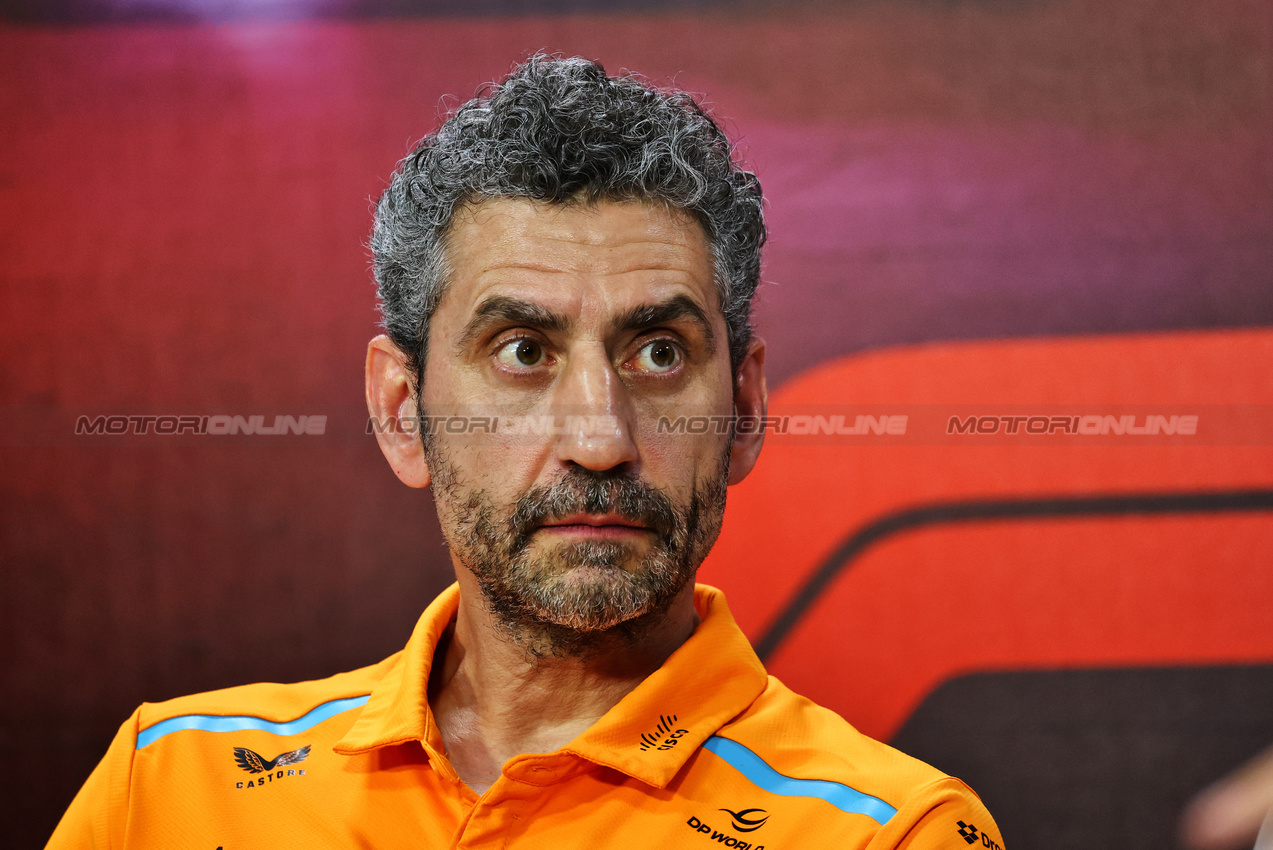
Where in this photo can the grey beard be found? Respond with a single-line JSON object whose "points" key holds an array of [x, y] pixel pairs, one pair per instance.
{"points": [[583, 598]]}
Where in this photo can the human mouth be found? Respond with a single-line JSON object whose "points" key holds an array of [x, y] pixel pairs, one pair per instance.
{"points": [[594, 526]]}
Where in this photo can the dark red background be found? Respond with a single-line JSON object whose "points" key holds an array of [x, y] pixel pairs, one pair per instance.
{"points": [[184, 204]]}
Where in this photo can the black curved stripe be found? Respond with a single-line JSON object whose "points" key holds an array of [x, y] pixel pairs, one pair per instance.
{"points": [[991, 510]]}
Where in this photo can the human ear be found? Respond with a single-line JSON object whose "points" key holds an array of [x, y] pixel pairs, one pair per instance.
{"points": [[751, 401], [392, 406]]}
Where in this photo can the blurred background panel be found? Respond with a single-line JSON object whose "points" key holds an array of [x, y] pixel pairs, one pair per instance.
{"points": [[185, 194]]}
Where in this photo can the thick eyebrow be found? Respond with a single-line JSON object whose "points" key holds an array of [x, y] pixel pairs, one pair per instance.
{"points": [[680, 307], [502, 309]]}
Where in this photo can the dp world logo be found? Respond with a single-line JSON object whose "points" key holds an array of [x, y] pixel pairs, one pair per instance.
{"points": [[748, 820]]}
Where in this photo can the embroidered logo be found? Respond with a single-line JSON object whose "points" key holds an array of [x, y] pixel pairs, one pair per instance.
{"points": [[268, 771], [748, 820], [664, 737], [253, 763]]}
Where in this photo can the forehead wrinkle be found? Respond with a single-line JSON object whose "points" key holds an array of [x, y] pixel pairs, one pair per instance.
{"points": [[505, 241], [605, 261], [600, 239]]}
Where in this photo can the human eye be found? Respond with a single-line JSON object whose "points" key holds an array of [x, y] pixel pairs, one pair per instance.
{"points": [[521, 353], [658, 356]]}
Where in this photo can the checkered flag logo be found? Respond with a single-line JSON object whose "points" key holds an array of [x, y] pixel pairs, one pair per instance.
{"points": [[968, 832]]}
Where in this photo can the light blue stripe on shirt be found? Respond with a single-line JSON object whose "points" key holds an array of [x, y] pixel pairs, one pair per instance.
{"points": [[239, 723], [763, 776]]}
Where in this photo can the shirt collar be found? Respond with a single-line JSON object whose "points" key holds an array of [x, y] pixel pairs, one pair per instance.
{"points": [[649, 735], [398, 709]]}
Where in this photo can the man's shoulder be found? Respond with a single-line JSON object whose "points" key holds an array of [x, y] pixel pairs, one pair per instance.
{"points": [[784, 736], [272, 704], [812, 762]]}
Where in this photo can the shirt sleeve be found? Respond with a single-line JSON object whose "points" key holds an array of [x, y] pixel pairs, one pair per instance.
{"points": [[98, 816], [946, 815]]}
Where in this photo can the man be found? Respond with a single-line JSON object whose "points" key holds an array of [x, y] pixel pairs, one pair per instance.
{"points": [[581, 251]]}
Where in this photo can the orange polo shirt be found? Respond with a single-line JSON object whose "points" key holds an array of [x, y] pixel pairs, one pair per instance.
{"points": [[707, 752]]}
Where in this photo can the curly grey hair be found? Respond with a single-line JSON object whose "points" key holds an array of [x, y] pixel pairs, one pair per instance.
{"points": [[561, 131]]}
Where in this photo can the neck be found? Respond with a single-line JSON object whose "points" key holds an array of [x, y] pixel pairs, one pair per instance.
{"points": [[494, 699]]}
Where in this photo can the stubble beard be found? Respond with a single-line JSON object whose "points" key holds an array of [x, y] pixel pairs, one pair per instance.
{"points": [[577, 599]]}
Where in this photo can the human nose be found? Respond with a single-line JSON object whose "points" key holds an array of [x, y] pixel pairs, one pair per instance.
{"points": [[597, 433]]}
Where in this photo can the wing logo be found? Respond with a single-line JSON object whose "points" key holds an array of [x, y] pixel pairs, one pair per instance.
{"points": [[748, 820], [252, 761]]}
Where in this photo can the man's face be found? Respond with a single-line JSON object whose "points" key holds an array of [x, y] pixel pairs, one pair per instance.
{"points": [[599, 320]]}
